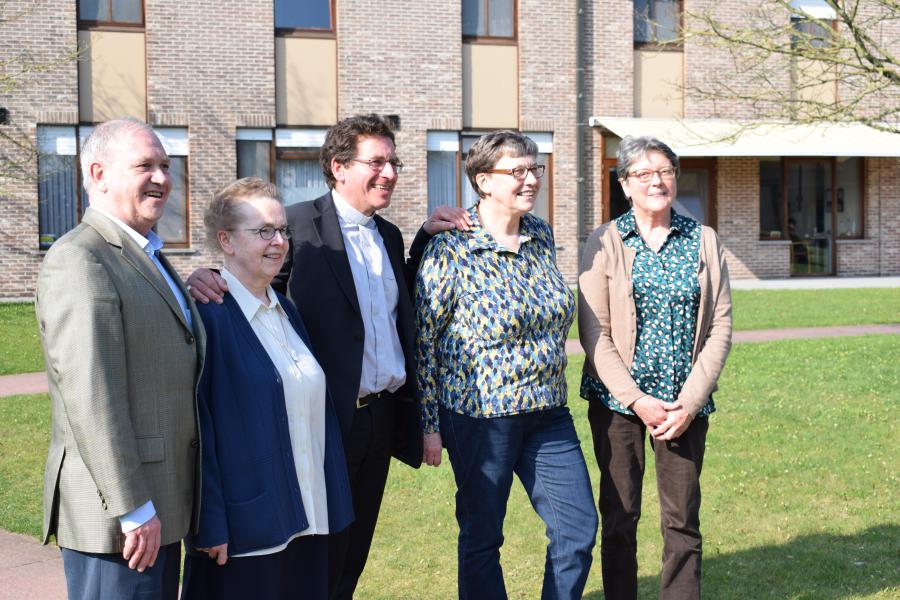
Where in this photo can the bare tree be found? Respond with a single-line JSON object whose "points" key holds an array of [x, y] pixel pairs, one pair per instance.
{"points": [[784, 63]]}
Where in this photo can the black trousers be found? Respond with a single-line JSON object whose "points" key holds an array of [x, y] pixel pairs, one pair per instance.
{"points": [[619, 448], [368, 460]]}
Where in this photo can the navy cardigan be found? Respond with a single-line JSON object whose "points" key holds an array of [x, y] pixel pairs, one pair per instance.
{"points": [[250, 496]]}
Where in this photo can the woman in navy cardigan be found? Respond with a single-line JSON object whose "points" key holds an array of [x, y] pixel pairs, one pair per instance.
{"points": [[274, 480]]}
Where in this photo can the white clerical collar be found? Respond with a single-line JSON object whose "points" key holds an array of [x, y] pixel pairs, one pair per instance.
{"points": [[348, 214], [248, 303]]}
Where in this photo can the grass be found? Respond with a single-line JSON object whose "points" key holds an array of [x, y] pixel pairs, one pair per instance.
{"points": [[799, 486], [20, 343], [777, 309]]}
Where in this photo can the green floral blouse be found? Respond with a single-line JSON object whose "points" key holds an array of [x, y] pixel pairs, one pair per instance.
{"points": [[666, 298]]}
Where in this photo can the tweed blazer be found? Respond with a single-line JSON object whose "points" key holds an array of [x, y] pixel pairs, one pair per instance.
{"points": [[607, 323], [123, 367]]}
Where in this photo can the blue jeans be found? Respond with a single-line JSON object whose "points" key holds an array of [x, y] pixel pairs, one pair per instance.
{"points": [[543, 450]]}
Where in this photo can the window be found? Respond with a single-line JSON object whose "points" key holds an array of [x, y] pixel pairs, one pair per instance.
{"points": [[489, 18], [173, 227], [448, 184], [62, 200], [656, 21], [294, 161], [809, 198], [58, 189], [128, 13], [306, 16]]}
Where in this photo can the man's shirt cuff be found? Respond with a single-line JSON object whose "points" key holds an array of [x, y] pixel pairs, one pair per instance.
{"points": [[137, 517]]}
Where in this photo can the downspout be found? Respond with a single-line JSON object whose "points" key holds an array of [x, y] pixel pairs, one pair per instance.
{"points": [[580, 130]]}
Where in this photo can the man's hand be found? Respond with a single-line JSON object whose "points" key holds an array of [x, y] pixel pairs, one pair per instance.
{"points": [[219, 553], [142, 545], [432, 452], [677, 421], [205, 285], [447, 217], [650, 410]]}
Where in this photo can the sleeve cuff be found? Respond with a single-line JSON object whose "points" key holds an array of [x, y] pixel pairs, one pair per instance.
{"points": [[137, 517]]}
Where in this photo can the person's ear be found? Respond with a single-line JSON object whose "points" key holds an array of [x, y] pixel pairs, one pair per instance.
{"points": [[224, 239], [96, 175], [484, 181], [339, 171]]}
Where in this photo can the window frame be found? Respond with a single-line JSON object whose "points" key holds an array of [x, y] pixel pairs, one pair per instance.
{"points": [[786, 161], [494, 39], [110, 25], [309, 32], [676, 45]]}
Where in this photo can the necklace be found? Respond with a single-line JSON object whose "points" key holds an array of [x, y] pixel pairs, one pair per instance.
{"points": [[282, 342]]}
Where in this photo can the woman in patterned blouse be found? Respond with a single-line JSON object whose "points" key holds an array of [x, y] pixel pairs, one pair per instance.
{"points": [[655, 321], [493, 312]]}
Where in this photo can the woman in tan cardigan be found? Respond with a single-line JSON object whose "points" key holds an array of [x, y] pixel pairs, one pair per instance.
{"points": [[654, 317]]}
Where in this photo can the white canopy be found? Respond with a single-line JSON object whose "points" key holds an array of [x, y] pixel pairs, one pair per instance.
{"points": [[707, 137]]}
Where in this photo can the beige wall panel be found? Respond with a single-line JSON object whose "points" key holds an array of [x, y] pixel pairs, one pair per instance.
{"points": [[305, 81], [490, 86], [112, 75], [815, 81], [658, 83]]}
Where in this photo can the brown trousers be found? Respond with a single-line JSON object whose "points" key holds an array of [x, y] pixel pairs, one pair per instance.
{"points": [[619, 448]]}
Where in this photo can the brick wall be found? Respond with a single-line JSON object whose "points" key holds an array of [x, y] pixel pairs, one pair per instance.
{"points": [[42, 36], [547, 102]]}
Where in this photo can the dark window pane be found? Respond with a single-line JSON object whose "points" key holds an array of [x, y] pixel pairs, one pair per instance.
{"points": [[303, 14], [810, 33], [172, 227], [849, 197], [299, 180], [93, 10], [642, 21], [253, 159], [618, 203], [501, 18], [57, 200], [473, 17], [441, 179], [771, 211]]}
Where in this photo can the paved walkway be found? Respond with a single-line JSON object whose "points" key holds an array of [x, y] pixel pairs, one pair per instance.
{"points": [[29, 571]]}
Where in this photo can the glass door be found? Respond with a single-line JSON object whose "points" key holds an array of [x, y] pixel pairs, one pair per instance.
{"points": [[809, 216]]}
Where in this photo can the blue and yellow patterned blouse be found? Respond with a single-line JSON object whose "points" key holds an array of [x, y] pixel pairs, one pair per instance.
{"points": [[666, 298], [491, 324]]}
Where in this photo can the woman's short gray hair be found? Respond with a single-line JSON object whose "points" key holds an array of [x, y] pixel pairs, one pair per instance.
{"points": [[491, 147], [222, 213], [632, 148]]}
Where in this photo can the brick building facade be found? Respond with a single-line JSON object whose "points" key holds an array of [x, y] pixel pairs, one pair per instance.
{"points": [[212, 75]]}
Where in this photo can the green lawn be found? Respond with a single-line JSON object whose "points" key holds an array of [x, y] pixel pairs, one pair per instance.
{"points": [[776, 309], [799, 486], [20, 343]]}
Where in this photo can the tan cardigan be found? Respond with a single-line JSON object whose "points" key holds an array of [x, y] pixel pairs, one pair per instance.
{"points": [[607, 323]]}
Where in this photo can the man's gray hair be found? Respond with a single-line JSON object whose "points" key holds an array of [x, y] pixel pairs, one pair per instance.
{"points": [[633, 148], [97, 145]]}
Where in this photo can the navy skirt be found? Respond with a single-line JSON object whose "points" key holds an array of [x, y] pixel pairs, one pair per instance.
{"points": [[298, 571]]}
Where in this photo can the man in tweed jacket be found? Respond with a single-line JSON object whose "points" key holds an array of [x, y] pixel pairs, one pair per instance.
{"points": [[123, 345]]}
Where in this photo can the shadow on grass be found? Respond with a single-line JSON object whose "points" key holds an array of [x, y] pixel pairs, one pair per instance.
{"points": [[821, 566]]}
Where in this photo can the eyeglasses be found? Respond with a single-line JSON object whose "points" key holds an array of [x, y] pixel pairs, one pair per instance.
{"points": [[520, 173], [646, 175], [267, 232], [377, 164]]}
